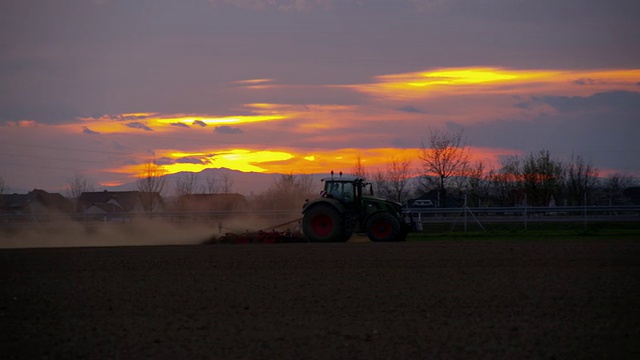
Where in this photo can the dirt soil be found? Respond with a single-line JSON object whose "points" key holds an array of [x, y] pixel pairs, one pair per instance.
{"points": [[542, 299]]}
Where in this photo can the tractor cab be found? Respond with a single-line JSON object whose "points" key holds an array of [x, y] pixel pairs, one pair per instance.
{"points": [[347, 190]]}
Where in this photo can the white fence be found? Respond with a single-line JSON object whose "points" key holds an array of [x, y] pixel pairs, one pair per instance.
{"points": [[462, 215], [526, 215]]}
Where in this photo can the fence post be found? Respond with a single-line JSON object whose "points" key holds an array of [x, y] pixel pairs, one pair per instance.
{"points": [[465, 213], [585, 211], [525, 212]]}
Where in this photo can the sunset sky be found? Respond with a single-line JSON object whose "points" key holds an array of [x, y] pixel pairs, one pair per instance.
{"points": [[98, 87]]}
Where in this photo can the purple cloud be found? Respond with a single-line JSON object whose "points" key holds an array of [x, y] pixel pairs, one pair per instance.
{"points": [[192, 160], [118, 146], [227, 130], [523, 105], [139, 125], [584, 81], [199, 122], [164, 161], [86, 130], [410, 109], [179, 124], [618, 100]]}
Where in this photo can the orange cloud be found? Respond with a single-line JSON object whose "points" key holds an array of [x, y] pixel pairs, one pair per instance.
{"points": [[22, 123], [463, 81], [254, 83], [461, 95], [154, 122], [296, 161]]}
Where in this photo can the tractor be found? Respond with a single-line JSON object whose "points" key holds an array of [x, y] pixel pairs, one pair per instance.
{"points": [[343, 209]]}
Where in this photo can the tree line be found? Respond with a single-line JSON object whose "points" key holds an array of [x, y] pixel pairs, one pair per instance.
{"points": [[443, 168], [537, 179]]}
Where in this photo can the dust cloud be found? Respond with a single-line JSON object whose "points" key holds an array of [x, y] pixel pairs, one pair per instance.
{"points": [[137, 232]]}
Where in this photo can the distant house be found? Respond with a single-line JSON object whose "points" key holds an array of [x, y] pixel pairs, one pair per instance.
{"points": [[35, 202], [211, 202], [109, 202], [426, 200], [14, 204], [431, 199]]}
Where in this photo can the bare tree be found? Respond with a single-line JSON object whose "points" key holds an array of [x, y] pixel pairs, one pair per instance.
{"points": [[507, 181], [381, 183], [542, 178], [398, 176], [614, 186], [358, 169], [459, 184], [186, 184], [211, 185], [226, 183], [221, 184], [288, 192], [581, 178], [306, 185], [445, 156], [78, 185], [151, 184], [478, 183], [393, 182]]}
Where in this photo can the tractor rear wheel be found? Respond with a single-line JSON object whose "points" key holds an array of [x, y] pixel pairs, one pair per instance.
{"points": [[383, 227], [323, 223]]}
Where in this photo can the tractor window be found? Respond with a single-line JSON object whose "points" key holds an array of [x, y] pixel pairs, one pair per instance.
{"points": [[333, 189], [340, 190], [347, 191]]}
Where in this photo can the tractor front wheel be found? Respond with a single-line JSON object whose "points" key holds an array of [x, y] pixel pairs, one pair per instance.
{"points": [[323, 223], [383, 227]]}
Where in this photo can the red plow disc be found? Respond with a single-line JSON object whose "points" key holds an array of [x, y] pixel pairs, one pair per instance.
{"points": [[261, 237]]}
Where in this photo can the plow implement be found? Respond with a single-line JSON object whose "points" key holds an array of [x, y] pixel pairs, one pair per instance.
{"points": [[269, 235], [261, 237]]}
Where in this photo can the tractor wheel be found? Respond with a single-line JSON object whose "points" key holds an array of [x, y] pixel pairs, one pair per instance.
{"points": [[323, 223], [383, 227]]}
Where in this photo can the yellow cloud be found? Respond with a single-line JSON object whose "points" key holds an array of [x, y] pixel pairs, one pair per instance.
{"points": [[246, 160], [253, 81], [225, 120], [254, 84], [153, 122], [286, 161], [462, 81]]}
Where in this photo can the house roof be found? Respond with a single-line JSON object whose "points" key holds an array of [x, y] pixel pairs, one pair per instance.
{"points": [[103, 208], [127, 199], [53, 202]]}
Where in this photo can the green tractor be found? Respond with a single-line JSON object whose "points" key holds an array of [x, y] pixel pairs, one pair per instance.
{"points": [[343, 209]]}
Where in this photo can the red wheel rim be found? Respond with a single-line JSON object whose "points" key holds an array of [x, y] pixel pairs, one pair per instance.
{"points": [[321, 225], [381, 229]]}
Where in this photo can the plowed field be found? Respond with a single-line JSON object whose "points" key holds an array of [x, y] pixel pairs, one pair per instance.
{"points": [[430, 300]]}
